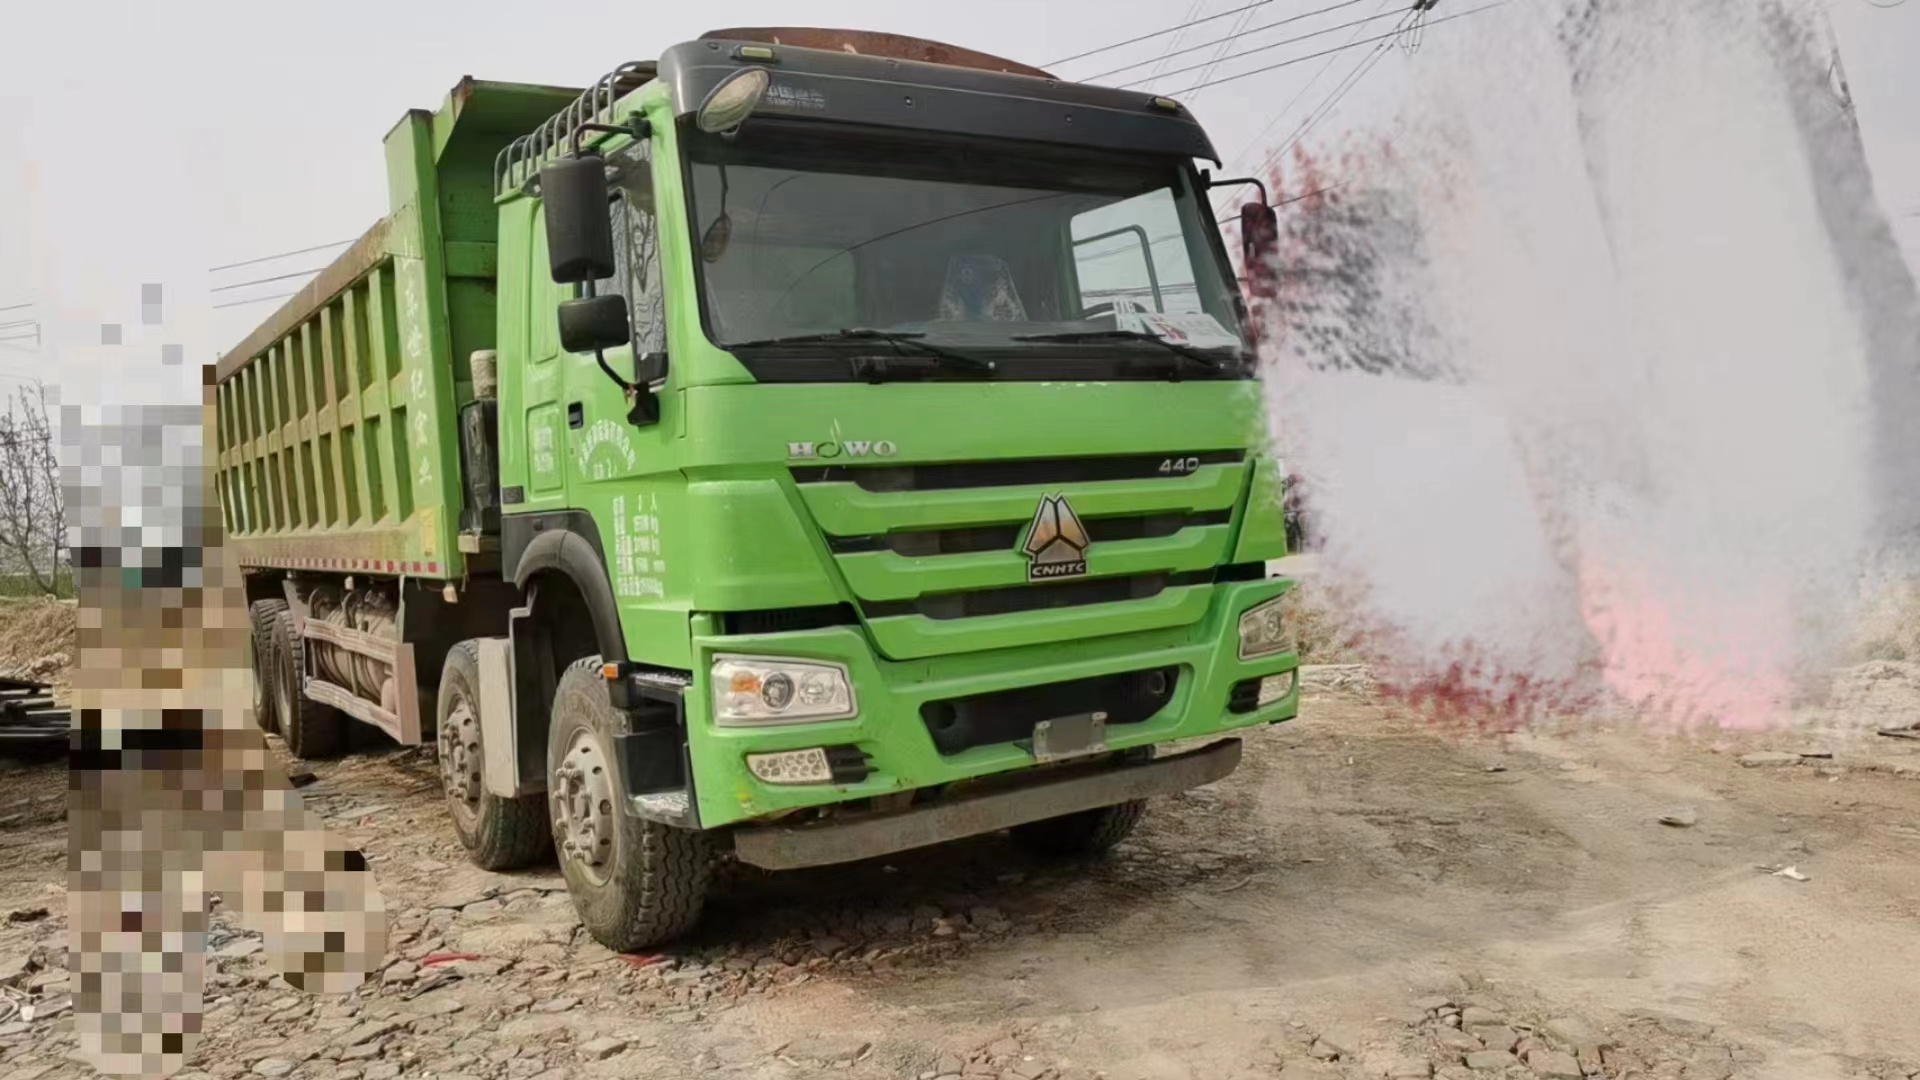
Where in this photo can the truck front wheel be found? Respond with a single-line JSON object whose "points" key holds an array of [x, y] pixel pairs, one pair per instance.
{"points": [[635, 883], [1089, 832], [499, 833]]}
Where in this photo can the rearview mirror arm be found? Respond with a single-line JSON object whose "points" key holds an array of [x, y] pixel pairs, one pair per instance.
{"points": [[638, 127], [643, 408], [1210, 183]]}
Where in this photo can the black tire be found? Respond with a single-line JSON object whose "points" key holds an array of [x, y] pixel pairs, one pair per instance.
{"points": [[499, 833], [1089, 832], [263, 614], [654, 881], [312, 730]]}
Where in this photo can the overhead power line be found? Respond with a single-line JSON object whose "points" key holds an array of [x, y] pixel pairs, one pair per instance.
{"points": [[256, 300], [1415, 15], [1262, 28], [1264, 48], [264, 280], [1295, 100], [1157, 33], [1239, 27], [1329, 52], [282, 255], [1187, 20], [1332, 100], [17, 307]]}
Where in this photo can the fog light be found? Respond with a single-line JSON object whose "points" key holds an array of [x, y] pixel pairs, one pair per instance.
{"points": [[808, 766], [1273, 688]]}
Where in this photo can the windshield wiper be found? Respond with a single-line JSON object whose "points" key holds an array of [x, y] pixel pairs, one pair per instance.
{"points": [[1201, 356], [944, 357]]}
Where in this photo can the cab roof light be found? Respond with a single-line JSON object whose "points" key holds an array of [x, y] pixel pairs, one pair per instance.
{"points": [[755, 52], [1164, 103]]}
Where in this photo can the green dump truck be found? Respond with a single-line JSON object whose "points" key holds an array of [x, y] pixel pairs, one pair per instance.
{"points": [[806, 446]]}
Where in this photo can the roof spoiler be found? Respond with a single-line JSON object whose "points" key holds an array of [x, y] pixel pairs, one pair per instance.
{"points": [[874, 43]]}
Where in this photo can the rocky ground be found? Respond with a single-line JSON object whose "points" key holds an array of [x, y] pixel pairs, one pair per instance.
{"points": [[1364, 898]]}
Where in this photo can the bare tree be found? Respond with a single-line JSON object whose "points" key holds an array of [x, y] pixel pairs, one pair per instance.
{"points": [[32, 510]]}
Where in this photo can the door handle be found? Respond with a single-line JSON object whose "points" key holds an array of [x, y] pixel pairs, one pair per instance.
{"points": [[576, 416]]}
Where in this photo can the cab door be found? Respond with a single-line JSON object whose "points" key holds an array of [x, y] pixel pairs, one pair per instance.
{"points": [[541, 439], [627, 475], [532, 426]]}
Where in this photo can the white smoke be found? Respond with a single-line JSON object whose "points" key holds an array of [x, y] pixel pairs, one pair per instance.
{"points": [[1656, 470]]}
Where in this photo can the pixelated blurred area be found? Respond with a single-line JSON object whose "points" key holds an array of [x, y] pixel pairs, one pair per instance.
{"points": [[176, 805]]}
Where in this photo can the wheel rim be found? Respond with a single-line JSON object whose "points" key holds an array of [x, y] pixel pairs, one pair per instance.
{"points": [[583, 808], [460, 758]]}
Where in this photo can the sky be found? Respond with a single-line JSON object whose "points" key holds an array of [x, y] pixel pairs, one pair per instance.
{"points": [[145, 143]]}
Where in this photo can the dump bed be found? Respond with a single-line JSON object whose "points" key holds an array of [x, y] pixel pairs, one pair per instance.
{"points": [[337, 422]]}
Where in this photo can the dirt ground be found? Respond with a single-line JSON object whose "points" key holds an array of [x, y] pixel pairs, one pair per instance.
{"points": [[1364, 898], [37, 640]]}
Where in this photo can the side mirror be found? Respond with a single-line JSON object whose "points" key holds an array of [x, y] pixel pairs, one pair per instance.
{"points": [[579, 220], [1259, 245], [593, 323]]}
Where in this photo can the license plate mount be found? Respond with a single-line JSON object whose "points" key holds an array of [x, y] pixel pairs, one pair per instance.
{"points": [[1070, 736]]}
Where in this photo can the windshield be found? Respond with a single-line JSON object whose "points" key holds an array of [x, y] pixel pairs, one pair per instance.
{"points": [[812, 232]]}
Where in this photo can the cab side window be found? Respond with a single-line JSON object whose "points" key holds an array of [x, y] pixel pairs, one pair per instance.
{"points": [[1134, 250], [636, 247]]}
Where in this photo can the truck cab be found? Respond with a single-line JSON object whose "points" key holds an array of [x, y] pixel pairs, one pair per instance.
{"points": [[866, 451]]}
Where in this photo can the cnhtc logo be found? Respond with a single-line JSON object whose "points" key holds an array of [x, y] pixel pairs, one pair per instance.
{"points": [[853, 448], [1057, 544]]}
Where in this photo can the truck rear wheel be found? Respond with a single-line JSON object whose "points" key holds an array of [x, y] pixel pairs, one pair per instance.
{"points": [[262, 615], [1089, 832], [634, 882], [500, 833], [312, 730]]}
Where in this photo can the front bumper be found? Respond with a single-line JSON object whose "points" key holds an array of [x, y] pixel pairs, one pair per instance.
{"points": [[899, 749], [777, 847]]}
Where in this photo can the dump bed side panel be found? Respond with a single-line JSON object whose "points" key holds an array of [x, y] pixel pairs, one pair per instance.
{"points": [[337, 426]]}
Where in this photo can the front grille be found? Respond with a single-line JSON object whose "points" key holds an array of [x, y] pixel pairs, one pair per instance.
{"points": [[1042, 471], [785, 620], [1018, 598], [961, 541], [1005, 716]]}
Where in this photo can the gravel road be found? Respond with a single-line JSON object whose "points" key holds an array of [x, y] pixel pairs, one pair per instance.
{"points": [[1366, 897]]}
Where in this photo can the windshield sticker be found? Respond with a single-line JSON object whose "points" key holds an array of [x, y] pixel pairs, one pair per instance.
{"points": [[1195, 328]]}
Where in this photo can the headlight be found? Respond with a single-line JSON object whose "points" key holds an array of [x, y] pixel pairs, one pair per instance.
{"points": [[1264, 630], [766, 690]]}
